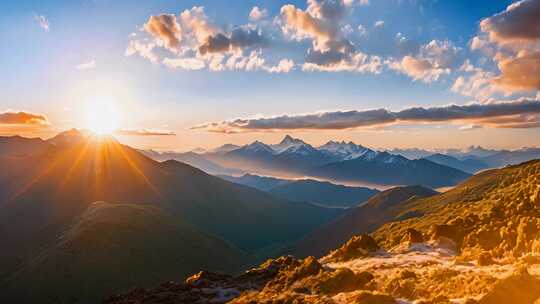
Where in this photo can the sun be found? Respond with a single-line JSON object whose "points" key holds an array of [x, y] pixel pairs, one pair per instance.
{"points": [[102, 116]]}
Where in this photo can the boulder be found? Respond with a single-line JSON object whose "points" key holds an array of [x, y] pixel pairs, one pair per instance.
{"points": [[340, 280], [356, 247], [413, 236], [519, 288]]}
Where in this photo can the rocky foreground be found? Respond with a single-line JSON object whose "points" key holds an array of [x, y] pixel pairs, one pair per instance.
{"points": [[483, 249]]}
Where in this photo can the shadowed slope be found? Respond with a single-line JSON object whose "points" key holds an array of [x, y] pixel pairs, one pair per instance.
{"points": [[46, 192], [112, 247], [380, 209]]}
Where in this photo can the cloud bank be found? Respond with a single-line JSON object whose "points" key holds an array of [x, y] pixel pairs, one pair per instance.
{"points": [[22, 118], [512, 39], [321, 37], [195, 43], [523, 113]]}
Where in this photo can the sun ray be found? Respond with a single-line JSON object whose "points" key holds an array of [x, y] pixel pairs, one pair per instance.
{"points": [[78, 159], [135, 168]]}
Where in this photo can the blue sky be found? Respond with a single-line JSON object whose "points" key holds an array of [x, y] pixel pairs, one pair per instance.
{"points": [[81, 56]]}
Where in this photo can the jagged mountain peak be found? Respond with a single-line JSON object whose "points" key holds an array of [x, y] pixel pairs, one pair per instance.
{"points": [[290, 144], [258, 146], [289, 139], [345, 150]]}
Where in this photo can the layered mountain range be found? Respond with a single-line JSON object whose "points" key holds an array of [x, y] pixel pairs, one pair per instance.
{"points": [[84, 217], [478, 243], [349, 163], [307, 190], [169, 216]]}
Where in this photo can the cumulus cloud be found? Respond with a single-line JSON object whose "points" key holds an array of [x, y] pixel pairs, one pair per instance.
{"points": [[166, 29], [143, 48], [196, 43], [257, 14], [512, 37], [42, 22], [240, 38], [379, 23], [22, 118], [520, 73], [358, 63], [86, 65], [322, 23], [519, 22], [434, 59], [374, 118], [475, 82], [143, 132]]}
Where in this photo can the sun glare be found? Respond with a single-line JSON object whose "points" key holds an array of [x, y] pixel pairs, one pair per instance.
{"points": [[101, 116]]}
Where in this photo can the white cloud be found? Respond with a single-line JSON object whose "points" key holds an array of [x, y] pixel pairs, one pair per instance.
{"points": [[378, 23], [42, 22], [194, 43], [434, 59], [257, 14], [512, 39]]}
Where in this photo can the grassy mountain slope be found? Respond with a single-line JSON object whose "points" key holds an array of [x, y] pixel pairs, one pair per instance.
{"points": [[476, 244], [494, 200], [378, 210], [111, 247]]}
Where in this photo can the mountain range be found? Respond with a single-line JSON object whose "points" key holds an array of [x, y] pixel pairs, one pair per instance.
{"points": [[347, 162], [478, 243], [52, 225], [336, 161], [84, 217], [307, 190]]}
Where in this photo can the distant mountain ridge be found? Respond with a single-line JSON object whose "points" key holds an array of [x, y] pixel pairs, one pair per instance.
{"points": [[469, 165], [385, 168], [307, 190], [193, 159], [336, 161]]}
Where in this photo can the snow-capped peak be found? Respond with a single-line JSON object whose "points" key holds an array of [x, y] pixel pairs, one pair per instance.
{"points": [[287, 143], [344, 150]]}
